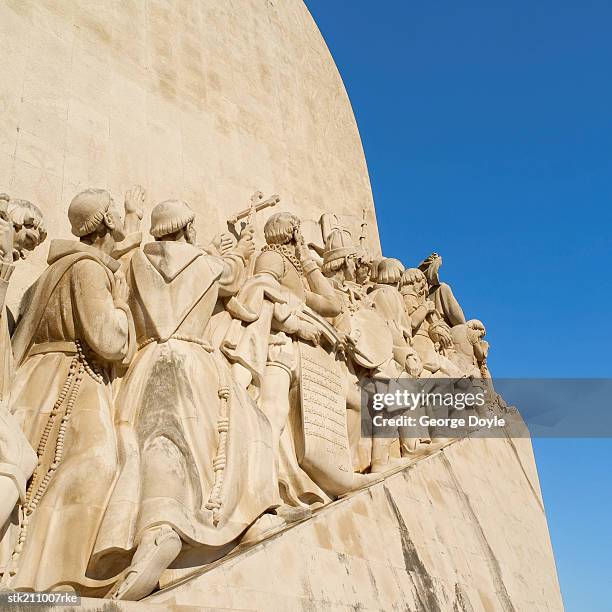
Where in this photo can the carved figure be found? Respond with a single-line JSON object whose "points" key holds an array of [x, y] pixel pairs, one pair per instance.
{"points": [[367, 338], [28, 224], [440, 293], [387, 301], [470, 348], [282, 309], [22, 229], [431, 334], [189, 436], [75, 329]]}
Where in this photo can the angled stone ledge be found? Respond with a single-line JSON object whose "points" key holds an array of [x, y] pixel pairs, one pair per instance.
{"points": [[461, 530]]}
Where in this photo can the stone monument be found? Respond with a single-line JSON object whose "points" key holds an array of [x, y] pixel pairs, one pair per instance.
{"points": [[185, 361]]}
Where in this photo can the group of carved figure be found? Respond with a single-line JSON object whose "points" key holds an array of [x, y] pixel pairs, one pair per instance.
{"points": [[163, 403]]}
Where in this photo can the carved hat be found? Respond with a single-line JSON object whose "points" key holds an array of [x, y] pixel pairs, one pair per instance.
{"points": [[87, 210], [430, 266], [338, 245], [169, 217]]}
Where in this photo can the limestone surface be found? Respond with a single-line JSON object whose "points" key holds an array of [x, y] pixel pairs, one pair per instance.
{"points": [[463, 530], [202, 100], [184, 414]]}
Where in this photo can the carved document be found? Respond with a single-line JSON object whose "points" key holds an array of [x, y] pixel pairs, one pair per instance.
{"points": [[326, 454]]}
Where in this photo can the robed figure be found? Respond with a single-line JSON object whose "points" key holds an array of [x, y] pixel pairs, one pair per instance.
{"points": [[76, 328], [17, 458], [196, 460]]}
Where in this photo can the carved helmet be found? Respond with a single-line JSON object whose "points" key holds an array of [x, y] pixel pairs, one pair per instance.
{"points": [[338, 245], [169, 217], [87, 210]]}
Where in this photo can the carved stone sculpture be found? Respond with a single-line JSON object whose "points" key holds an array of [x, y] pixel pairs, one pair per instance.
{"points": [[21, 228], [440, 293], [387, 301], [282, 308], [28, 224], [367, 338], [75, 328], [431, 334], [188, 434], [214, 401], [470, 347]]}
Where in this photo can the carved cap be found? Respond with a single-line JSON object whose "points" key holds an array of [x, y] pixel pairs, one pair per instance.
{"points": [[87, 210], [338, 245], [430, 266], [412, 276], [169, 217]]}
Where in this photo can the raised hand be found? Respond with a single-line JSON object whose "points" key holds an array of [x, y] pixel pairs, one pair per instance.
{"points": [[302, 250], [122, 289], [246, 245], [222, 243], [134, 201]]}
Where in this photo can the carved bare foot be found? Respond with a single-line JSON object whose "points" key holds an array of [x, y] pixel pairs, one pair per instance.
{"points": [[156, 551]]}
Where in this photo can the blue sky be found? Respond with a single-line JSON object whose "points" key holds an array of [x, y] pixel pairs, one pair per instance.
{"points": [[487, 128]]}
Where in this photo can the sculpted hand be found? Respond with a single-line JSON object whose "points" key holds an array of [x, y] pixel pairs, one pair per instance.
{"points": [[444, 338], [246, 246], [347, 342], [134, 201], [309, 332], [7, 233], [122, 290], [222, 243], [430, 306], [302, 250]]}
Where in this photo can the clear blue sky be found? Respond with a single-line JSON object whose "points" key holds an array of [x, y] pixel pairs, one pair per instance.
{"points": [[487, 128]]}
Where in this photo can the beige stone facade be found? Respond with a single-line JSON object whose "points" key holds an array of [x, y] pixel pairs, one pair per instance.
{"points": [[462, 530], [181, 414], [198, 99]]}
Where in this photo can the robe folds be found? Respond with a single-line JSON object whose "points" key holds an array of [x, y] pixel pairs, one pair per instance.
{"points": [[17, 458], [73, 301], [195, 451]]}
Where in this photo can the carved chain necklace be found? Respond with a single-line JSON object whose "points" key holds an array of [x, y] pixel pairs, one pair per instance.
{"points": [[287, 253]]}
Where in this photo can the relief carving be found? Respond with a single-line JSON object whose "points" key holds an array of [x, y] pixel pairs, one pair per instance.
{"points": [[171, 402]]}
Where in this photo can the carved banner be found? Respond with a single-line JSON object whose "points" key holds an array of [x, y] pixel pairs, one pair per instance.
{"points": [[326, 454]]}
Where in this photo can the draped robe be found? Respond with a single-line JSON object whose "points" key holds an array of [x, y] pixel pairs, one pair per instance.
{"points": [[73, 301], [17, 458], [195, 451]]}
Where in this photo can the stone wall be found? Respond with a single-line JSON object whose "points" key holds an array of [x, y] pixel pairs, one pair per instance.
{"points": [[463, 530], [199, 99]]}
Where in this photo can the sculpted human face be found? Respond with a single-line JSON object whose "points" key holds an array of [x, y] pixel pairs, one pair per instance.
{"points": [[410, 298], [115, 221], [26, 236], [362, 272]]}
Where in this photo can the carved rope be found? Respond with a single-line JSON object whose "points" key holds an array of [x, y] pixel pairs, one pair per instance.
{"points": [[219, 462]]}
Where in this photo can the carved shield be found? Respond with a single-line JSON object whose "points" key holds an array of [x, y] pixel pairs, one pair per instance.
{"points": [[325, 454], [373, 339]]}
